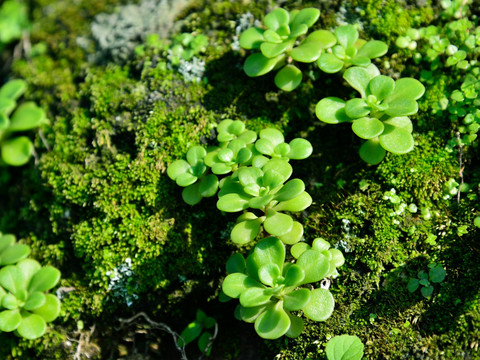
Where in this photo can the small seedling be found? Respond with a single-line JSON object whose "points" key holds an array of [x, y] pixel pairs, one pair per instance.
{"points": [[197, 329], [268, 288], [436, 274]]}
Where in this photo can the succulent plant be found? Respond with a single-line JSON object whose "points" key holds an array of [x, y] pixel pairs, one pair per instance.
{"points": [[381, 114], [17, 150], [269, 289], [350, 50], [10, 251], [278, 45]]}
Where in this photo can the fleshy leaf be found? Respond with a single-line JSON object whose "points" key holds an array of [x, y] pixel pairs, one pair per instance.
{"points": [[270, 50], [45, 279], [367, 128], [277, 223], [268, 251], [296, 326], [32, 326], [254, 296], [294, 235], [6, 241], [13, 89], [28, 267], [14, 253], [358, 78], [307, 51], [17, 151], [407, 88], [296, 300], [269, 274], [177, 168], [235, 264], [307, 16], [27, 116], [346, 35], [290, 190], [208, 185], [373, 49], [299, 203], [250, 314], [314, 264], [246, 231], [257, 64], [191, 194], [402, 107], [344, 347], [381, 86], [251, 38], [272, 323], [396, 140], [232, 202], [356, 108], [300, 149], [321, 305], [329, 63], [9, 320], [276, 19], [372, 152], [35, 300], [294, 275], [298, 249], [12, 279], [331, 110], [235, 284], [288, 78]]}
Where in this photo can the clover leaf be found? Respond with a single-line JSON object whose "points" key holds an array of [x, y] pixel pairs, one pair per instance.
{"points": [[279, 48], [350, 50], [268, 290]]}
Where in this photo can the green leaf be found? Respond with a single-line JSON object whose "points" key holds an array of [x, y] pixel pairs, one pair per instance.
{"points": [[35, 300], [269, 274], [308, 51], [360, 61], [4, 120], [396, 140], [277, 223], [275, 136], [268, 251], [337, 257], [358, 78], [298, 30], [190, 333], [257, 64], [12, 279], [288, 78], [373, 49], [320, 244], [250, 175], [254, 296], [270, 50], [402, 107], [294, 275], [437, 274], [356, 108], [329, 63], [250, 314], [372, 152], [344, 347], [280, 167], [13, 89], [314, 264], [346, 35], [17, 151], [298, 249], [407, 88], [208, 185], [6, 241], [331, 110], [321, 305], [276, 19], [45, 279], [272, 323], [381, 86], [191, 194], [294, 235], [296, 326], [27, 116], [290, 190], [246, 231], [10, 302], [367, 128], [28, 267], [9, 320], [307, 16], [235, 284], [235, 264], [272, 37], [203, 342], [324, 38], [177, 168], [413, 285], [300, 149], [299, 203], [296, 300], [427, 291], [260, 202], [14, 253], [232, 202], [402, 122]]}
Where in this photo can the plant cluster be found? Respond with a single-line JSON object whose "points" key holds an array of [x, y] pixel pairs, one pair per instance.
{"points": [[197, 329], [25, 308], [258, 169], [380, 116], [436, 274], [17, 150], [269, 289], [283, 40]]}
